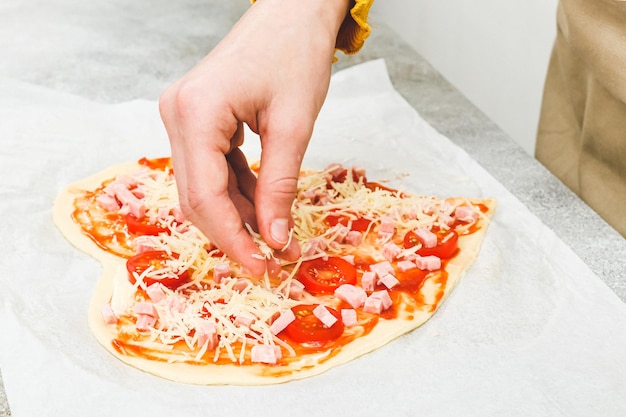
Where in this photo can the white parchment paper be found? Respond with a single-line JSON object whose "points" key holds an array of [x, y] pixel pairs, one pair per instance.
{"points": [[530, 330]]}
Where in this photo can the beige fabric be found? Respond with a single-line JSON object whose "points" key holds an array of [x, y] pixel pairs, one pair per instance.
{"points": [[582, 128]]}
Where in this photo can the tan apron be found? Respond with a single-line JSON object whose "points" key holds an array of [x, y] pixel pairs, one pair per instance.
{"points": [[582, 129]]}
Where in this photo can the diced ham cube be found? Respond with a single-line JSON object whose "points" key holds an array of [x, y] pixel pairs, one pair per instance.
{"points": [[351, 294], [108, 315], [163, 212], [339, 232], [285, 318], [384, 297], [155, 292], [428, 263], [349, 259], [145, 308], [427, 238], [269, 354], [284, 275], [382, 268], [244, 319], [368, 280], [349, 317], [389, 281], [207, 334], [241, 284], [334, 169], [220, 271], [466, 214], [358, 171], [446, 219], [387, 225], [373, 306], [325, 316], [296, 290], [135, 206], [354, 238], [315, 245], [405, 265], [145, 322], [391, 251], [108, 202]]}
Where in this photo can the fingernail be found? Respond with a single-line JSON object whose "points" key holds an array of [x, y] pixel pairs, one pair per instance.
{"points": [[279, 230]]}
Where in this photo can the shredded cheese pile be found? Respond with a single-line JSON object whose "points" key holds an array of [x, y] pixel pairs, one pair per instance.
{"points": [[242, 315]]}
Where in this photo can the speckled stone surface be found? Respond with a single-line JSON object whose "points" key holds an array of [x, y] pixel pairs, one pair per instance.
{"points": [[130, 50]]}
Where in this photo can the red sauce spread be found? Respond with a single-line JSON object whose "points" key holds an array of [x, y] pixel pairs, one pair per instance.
{"points": [[110, 232]]}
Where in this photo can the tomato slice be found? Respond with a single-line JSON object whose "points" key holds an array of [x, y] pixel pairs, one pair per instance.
{"points": [[157, 259], [307, 328], [325, 275], [360, 224], [142, 227], [444, 249]]}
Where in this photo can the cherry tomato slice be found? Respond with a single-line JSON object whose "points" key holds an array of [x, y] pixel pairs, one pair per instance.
{"points": [[325, 275], [142, 261], [360, 224], [443, 250], [142, 227], [307, 328]]}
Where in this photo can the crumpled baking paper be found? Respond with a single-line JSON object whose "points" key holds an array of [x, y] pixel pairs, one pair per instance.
{"points": [[530, 330]]}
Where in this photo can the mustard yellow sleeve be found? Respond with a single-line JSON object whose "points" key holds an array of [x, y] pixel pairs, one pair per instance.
{"points": [[354, 29]]}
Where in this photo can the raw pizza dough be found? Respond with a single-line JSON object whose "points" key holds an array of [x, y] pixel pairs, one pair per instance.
{"points": [[115, 274]]}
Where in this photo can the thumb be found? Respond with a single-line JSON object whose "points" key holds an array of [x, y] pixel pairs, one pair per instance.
{"points": [[281, 159]]}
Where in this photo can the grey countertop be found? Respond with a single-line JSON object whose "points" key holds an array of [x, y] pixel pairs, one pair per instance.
{"points": [[114, 51]]}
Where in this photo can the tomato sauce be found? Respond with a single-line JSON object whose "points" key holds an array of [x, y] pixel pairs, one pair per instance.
{"points": [[109, 231]]}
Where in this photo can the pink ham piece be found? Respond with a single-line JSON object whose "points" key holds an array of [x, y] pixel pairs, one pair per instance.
{"points": [[377, 302], [108, 315], [325, 316], [207, 334], [382, 268], [108, 202], [391, 251], [466, 214], [296, 290], [145, 322], [269, 354], [220, 271], [314, 246], [428, 263], [373, 306], [351, 294], [368, 280], [155, 292], [349, 317], [285, 318], [244, 319], [354, 238], [427, 238], [135, 206], [389, 281], [405, 265], [387, 225], [163, 213], [349, 259], [241, 284], [339, 232], [334, 170], [145, 308]]}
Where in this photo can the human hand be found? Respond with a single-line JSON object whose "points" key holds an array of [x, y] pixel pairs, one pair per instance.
{"points": [[272, 73]]}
